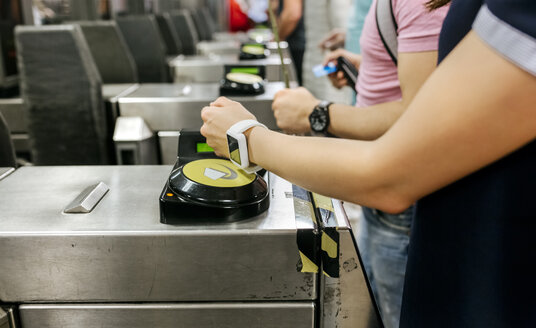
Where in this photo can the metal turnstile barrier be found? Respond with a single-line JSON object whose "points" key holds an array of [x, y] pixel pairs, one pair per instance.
{"points": [[118, 266], [205, 69], [168, 108]]}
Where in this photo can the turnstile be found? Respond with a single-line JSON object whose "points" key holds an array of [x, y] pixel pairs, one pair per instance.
{"points": [[205, 69], [232, 47], [14, 113], [8, 317], [168, 108], [295, 265]]}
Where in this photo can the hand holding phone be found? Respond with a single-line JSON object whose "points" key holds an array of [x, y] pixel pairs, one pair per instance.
{"points": [[349, 71]]}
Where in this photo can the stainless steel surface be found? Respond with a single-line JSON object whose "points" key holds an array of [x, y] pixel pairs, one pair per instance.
{"points": [[13, 111], [168, 141], [110, 92], [226, 47], [232, 47], [230, 36], [7, 316], [3, 319], [131, 129], [21, 142], [12, 316], [209, 315], [134, 142], [346, 301], [121, 252], [204, 69], [171, 107], [5, 171], [88, 199]]}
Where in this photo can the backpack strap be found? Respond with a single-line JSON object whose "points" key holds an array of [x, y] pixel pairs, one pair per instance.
{"points": [[387, 27]]}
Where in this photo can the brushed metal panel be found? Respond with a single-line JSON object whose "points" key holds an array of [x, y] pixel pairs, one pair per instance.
{"points": [[209, 315], [168, 107], [3, 319], [5, 171], [14, 113], [206, 69], [168, 141], [121, 252], [346, 302]]}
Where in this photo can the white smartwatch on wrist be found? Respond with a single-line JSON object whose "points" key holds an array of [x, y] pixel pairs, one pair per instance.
{"points": [[238, 145]]}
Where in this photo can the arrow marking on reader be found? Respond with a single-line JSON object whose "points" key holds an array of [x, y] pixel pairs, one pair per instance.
{"points": [[217, 174]]}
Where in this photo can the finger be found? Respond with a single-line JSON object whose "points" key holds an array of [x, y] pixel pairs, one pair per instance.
{"points": [[342, 83], [332, 56], [205, 113], [221, 101], [328, 58], [204, 131], [333, 81], [275, 105]]}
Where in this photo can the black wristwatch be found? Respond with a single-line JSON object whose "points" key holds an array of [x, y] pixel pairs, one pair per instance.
{"points": [[319, 118]]}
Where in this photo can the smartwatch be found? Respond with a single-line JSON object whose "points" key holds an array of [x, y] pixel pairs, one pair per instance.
{"points": [[238, 145], [319, 118]]}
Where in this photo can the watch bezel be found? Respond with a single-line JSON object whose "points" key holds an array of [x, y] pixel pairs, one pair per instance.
{"points": [[242, 149], [320, 110]]}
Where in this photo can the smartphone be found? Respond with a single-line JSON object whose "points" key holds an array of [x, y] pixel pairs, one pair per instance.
{"points": [[349, 71]]}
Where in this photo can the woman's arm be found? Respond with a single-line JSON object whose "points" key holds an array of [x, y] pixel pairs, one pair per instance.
{"points": [[293, 107], [475, 108], [289, 18]]}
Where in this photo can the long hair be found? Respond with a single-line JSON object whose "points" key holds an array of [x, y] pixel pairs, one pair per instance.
{"points": [[434, 4]]}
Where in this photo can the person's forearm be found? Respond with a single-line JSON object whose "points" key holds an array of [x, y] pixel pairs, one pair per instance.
{"points": [[366, 123], [288, 20], [372, 122], [338, 168], [450, 130]]}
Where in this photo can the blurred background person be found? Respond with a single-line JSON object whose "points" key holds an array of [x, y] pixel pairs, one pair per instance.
{"points": [[291, 27], [321, 17], [238, 16]]}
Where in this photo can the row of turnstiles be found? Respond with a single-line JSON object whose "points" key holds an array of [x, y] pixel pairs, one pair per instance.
{"points": [[113, 263], [127, 68]]}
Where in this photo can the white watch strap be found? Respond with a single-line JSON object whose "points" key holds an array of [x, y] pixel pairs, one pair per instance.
{"points": [[242, 126]]}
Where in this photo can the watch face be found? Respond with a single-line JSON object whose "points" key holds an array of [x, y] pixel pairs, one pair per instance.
{"points": [[319, 120], [234, 152]]}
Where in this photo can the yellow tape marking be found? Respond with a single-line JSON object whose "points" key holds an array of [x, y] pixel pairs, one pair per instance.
{"points": [[329, 245], [323, 202], [308, 265]]}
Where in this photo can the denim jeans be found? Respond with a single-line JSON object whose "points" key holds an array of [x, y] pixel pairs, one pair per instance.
{"points": [[383, 241]]}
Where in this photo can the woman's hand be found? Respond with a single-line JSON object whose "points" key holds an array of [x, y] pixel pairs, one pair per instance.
{"points": [[292, 108], [337, 79], [333, 40], [218, 117]]}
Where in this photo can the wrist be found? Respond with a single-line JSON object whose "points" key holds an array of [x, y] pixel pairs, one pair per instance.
{"points": [[238, 144], [310, 108], [319, 119], [251, 137]]}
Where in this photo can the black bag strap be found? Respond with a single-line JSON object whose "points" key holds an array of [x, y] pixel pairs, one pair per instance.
{"points": [[387, 27]]}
